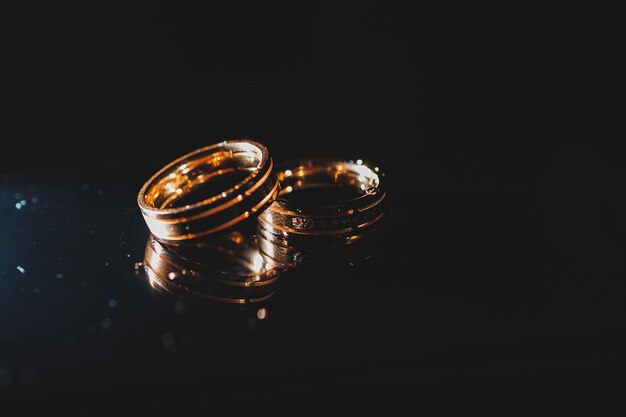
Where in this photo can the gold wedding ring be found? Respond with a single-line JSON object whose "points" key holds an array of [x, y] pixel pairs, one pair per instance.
{"points": [[170, 221], [343, 219]]}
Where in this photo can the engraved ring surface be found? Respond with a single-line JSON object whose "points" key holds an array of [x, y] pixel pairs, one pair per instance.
{"points": [[171, 222]]}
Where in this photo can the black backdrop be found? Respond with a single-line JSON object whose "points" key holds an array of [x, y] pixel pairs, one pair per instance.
{"points": [[527, 231], [140, 80]]}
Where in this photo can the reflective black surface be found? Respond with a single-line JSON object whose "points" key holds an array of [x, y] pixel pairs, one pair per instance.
{"points": [[471, 289], [502, 275]]}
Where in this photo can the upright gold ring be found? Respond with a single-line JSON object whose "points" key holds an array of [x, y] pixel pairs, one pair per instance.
{"points": [[287, 219], [171, 222]]}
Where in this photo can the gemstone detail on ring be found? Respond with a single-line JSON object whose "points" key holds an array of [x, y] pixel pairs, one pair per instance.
{"points": [[301, 223]]}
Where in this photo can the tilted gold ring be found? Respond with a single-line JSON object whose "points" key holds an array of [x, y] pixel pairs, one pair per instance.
{"points": [[171, 221], [345, 218]]}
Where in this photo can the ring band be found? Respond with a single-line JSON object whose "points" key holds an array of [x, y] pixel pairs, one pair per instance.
{"points": [[170, 223], [284, 218]]}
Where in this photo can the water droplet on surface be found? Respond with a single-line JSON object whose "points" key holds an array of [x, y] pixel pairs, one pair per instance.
{"points": [[138, 265], [22, 270], [106, 264], [106, 323], [34, 200], [36, 290], [112, 303], [58, 276], [172, 275], [261, 314]]}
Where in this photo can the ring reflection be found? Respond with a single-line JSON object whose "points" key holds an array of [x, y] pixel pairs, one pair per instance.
{"points": [[322, 252], [228, 269]]}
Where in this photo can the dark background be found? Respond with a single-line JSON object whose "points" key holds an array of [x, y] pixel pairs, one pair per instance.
{"points": [[145, 81], [503, 277]]}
